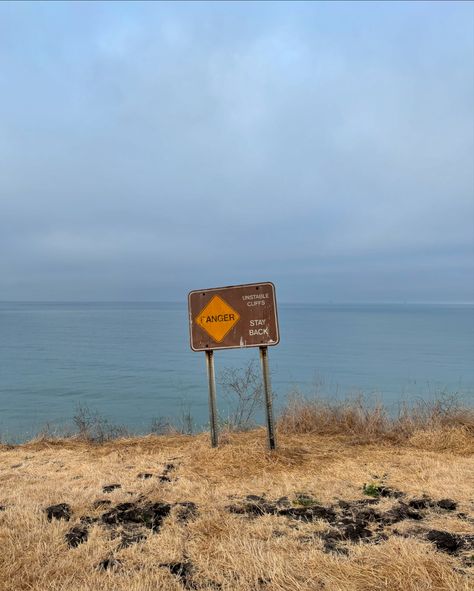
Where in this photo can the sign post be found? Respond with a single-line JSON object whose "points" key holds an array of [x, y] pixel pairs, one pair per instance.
{"points": [[268, 397], [212, 397], [238, 316]]}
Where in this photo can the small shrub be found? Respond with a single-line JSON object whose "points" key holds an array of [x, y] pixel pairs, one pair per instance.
{"points": [[371, 489], [243, 390], [95, 428]]}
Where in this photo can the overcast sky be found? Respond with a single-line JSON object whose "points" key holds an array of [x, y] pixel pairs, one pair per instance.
{"points": [[150, 149]]}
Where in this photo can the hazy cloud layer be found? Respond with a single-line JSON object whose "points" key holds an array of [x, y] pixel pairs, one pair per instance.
{"points": [[149, 149]]}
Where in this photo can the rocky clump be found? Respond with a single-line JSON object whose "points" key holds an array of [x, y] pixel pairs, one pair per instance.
{"points": [[60, 511]]}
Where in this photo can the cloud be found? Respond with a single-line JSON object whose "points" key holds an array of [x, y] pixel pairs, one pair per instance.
{"points": [[183, 146]]}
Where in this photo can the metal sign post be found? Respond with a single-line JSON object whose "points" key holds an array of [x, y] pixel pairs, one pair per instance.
{"points": [[235, 317], [268, 397], [212, 397]]}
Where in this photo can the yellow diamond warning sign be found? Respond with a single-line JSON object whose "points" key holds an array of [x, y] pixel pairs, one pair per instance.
{"points": [[217, 318]]}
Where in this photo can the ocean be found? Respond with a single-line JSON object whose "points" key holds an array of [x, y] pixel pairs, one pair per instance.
{"points": [[132, 364]]}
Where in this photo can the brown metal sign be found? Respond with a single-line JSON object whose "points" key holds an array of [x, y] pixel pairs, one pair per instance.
{"points": [[233, 317]]}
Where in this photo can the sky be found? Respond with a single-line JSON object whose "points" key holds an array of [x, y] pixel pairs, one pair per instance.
{"points": [[149, 149]]}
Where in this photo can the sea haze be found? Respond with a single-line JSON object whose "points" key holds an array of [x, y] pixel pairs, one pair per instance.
{"points": [[131, 362]]}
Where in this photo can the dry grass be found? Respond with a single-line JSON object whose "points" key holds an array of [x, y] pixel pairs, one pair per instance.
{"points": [[443, 424], [238, 552]]}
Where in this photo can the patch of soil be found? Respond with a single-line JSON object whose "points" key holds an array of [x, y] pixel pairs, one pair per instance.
{"points": [[184, 571], [399, 513], [423, 502], [309, 513], [88, 519], [108, 488], [109, 564], [388, 491], [60, 511], [445, 541], [167, 469], [186, 511], [130, 537], [77, 535], [447, 504], [150, 515], [255, 506]]}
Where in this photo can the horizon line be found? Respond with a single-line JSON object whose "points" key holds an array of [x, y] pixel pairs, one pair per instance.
{"points": [[283, 302]]}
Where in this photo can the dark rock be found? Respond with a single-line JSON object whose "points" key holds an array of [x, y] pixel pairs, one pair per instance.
{"points": [[77, 535], [447, 504], [399, 513], [109, 564], [184, 571], [101, 503], [186, 511], [149, 515], [445, 541], [145, 475], [3, 508], [110, 487], [164, 478], [60, 511]]}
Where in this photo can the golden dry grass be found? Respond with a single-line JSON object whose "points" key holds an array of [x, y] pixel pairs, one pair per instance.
{"points": [[230, 551]]}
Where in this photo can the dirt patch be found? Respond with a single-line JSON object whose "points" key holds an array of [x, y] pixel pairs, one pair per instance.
{"points": [[109, 564], [184, 571], [108, 488], [60, 511], [77, 535], [150, 515], [186, 511], [130, 537], [448, 542]]}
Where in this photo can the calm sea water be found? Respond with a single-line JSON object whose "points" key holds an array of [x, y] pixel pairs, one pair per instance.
{"points": [[132, 362]]}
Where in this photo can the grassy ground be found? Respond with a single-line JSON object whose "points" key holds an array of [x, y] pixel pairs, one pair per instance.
{"points": [[238, 517]]}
